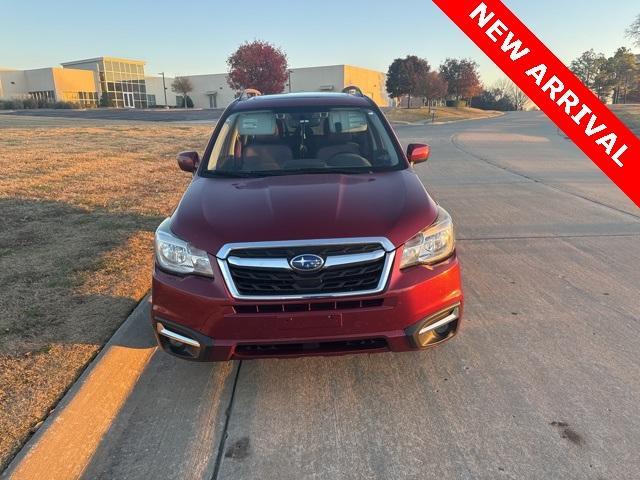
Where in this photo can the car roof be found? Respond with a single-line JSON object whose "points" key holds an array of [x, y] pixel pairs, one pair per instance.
{"points": [[305, 99]]}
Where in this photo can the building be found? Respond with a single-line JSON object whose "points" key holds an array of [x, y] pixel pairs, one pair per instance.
{"points": [[156, 90], [121, 83], [53, 84], [213, 91]]}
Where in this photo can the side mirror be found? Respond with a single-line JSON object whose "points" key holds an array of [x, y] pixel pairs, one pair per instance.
{"points": [[188, 161], [418, 152]]}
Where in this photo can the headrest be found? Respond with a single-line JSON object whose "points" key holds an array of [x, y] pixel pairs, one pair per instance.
{"points": [[257, 123], [347, 121]]}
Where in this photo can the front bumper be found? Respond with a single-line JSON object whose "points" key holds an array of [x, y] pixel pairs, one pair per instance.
{"points": [[224, 328]]}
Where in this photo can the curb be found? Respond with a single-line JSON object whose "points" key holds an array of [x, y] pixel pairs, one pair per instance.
{"points": [[71, 393]]}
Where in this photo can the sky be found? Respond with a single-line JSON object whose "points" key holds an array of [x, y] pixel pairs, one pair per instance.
{"points": [[196, 36]]}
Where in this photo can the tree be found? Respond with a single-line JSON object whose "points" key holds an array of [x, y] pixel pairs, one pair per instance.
{"points": [[183, 86], [604, 80], [519, 98], [258, 65], [494, 99], [587, 66], [624, 68], [597, 72], [405, 76], [462, 77], [432, 87], [513, 96], [633, 32]]}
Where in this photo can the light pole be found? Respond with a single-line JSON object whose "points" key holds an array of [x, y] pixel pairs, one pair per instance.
{"points": [[164, 89]]}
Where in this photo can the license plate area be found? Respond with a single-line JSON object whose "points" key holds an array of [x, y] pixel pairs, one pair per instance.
{"points": [[308, 321]]}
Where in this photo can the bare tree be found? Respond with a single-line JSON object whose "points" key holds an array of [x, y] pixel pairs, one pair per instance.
{"points": [[520, 99], [509, 90], [183, 86], [633, 32]]}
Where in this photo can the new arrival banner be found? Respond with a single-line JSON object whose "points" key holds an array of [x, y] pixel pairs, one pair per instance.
{"points": [[553, 87]]}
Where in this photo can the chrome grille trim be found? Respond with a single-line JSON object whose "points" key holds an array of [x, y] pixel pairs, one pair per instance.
{"points": [[224, 251], [277, 263], [224, 259]]}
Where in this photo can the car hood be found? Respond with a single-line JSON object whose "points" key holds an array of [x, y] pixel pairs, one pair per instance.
{"points": [[216, 211]]}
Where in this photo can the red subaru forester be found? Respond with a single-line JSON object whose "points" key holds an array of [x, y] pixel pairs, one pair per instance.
{"points": [[305, 231]]}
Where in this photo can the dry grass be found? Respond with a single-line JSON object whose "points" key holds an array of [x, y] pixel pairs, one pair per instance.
{"points": [[629, 114], [78, 203], [442, 114]]}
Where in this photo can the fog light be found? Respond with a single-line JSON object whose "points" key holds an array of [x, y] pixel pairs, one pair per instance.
{"points": [[435, 328], [177, 343], [440, 324]]}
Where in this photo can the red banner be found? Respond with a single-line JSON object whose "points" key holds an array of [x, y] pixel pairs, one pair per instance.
{"points": [[553, 87]]}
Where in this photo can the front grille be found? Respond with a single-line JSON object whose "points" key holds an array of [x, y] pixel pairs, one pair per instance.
{"points": [[308, 307], [290, 252], [263, 270], [339, 279]]}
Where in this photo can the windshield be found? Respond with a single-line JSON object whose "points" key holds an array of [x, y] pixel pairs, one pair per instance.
{"points": [[288, 142]]}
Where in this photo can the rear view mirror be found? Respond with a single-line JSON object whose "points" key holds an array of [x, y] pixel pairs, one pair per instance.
{"points": [[188, 161], [418, 152]]}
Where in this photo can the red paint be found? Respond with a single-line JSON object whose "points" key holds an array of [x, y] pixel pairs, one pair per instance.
{"points": [[552, 87], [418, 152], [217, 211], [204, 305]]}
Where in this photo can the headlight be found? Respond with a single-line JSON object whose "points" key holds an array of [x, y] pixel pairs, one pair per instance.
{"points": [[432, 245], [177, 256]]}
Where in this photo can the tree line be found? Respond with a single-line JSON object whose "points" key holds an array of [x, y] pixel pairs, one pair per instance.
{"points": [[614, 79], [457, 82]]}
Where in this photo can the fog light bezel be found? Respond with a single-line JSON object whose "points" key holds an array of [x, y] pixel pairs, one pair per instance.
{"points": [[423, 334]]}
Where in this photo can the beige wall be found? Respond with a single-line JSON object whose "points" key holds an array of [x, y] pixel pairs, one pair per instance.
{"points": [[69, 82], [60, 80], [154, 87], [316, 79], [206, 85], [370, 82], [17, 89]]}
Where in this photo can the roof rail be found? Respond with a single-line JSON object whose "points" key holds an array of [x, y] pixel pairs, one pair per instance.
{"points": [[249, 93]]}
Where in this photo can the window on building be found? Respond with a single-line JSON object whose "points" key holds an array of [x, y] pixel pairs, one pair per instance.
{"points": [[85, 99], [151, 100], [43, 95], [123, 78]]}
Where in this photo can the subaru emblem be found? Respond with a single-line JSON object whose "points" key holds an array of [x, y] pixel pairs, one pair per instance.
{"points": [[307, 263]]}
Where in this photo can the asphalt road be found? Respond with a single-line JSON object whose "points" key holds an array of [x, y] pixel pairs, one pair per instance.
{"points": [[542, 383]]}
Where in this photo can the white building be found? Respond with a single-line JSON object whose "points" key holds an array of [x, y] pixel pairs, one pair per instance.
{"points": [[122, 83], [213, 91]]}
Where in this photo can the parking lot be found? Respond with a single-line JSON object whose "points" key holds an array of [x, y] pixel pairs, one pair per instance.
{"points": [[542, 382]]}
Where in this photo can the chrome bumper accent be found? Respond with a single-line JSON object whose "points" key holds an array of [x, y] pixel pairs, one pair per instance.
{"points": [[162, 330], [454, 315]]}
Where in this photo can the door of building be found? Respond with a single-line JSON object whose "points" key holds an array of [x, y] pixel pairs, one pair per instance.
{"points": [[127, 97]]}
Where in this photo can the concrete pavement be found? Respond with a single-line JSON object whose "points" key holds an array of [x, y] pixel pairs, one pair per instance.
{"points": [[542, 382]]}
